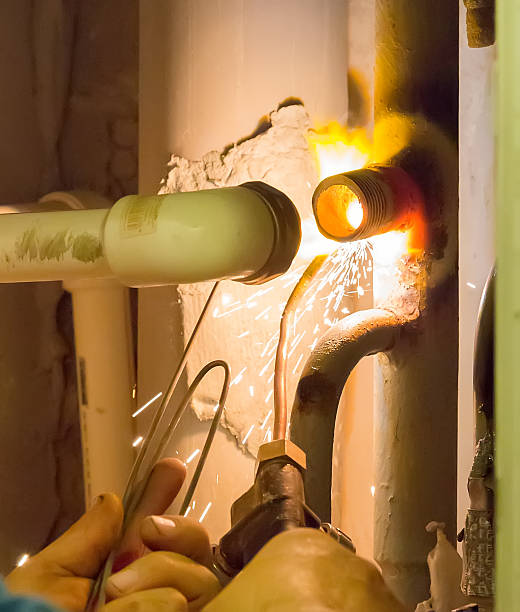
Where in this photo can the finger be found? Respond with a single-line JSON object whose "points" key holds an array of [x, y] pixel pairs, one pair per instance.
{"points": [[82, 549], [161, 489], [163, 485], [154, 600], [177, 534], [166, 569]]}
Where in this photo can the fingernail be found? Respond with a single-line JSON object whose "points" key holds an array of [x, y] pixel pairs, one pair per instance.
{"points": [[165, 526], [123, 581], [96, 500]]}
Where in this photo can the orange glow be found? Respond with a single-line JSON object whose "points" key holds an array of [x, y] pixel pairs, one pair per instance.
{"points": [[417, 236], [339, 150], [339, 211]]}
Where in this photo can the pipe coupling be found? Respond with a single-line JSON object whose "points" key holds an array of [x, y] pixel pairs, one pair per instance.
{"points": [[362, 203]]}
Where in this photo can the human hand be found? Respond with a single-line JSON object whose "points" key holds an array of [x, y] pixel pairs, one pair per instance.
{"points": [[61, 573], [304, 570], [175, 567], [161, 557], [169, 577]]}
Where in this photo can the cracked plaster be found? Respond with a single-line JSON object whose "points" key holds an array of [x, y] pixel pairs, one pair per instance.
{"points": [[281, 157]]}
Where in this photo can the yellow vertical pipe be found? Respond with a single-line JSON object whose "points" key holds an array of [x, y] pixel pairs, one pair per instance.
{"points": [[508, 306]]}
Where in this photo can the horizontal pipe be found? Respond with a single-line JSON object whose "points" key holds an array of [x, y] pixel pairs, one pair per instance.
{"points": [[48, 246], [188, 237], [319, 390], [249, 233]]}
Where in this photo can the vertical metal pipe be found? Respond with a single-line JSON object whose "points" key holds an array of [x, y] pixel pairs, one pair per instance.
{"points": [[416, 114], [508, 306], [321, 383]]}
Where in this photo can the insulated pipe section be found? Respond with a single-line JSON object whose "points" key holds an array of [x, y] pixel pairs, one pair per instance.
{"points": [[359, 204], [319, 390], [249, 233]]}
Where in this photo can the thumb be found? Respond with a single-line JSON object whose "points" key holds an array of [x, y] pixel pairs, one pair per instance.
{"points": [[82, 549]]}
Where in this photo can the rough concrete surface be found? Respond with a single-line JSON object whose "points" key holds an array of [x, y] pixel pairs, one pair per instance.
{"points": [[98, 145], [281, 157]]}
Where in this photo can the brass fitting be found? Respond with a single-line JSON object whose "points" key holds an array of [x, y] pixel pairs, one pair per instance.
{"points": [[278, 449]]}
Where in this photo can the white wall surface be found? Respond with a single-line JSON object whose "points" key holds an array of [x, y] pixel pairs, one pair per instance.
{"points": [[476, 229]]}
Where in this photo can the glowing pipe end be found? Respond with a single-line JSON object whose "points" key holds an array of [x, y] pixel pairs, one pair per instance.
{"points": [[362, 203]]}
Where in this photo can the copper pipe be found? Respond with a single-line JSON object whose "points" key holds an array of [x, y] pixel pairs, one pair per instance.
{"points": [[280, 368], [321, 383]]}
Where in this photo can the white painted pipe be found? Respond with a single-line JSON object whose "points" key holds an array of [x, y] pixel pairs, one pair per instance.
{"points": [[231, 233], [416, 387], [52, 246], [105, 370], [102, 327], [105, 380], [188, 237], [245, 233]]}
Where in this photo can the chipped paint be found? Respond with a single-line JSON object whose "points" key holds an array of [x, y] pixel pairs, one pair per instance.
{"points": [[25, 246], [281, 157], [52, 246], [87, 248], [34, 245]]}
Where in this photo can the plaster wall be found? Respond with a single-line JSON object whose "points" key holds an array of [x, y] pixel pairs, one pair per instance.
{"points": [[209, 76]]}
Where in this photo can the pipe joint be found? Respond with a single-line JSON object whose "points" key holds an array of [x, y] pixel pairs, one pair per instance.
{"points": [[362, 203]]}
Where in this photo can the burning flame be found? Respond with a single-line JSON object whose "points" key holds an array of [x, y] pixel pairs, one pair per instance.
{"points": [[339, 150], [335, 150]]}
